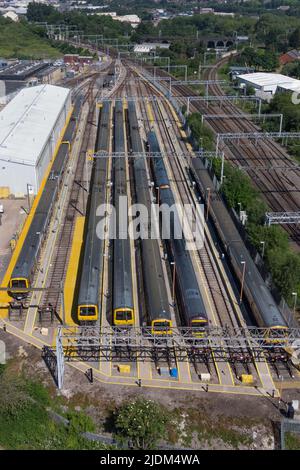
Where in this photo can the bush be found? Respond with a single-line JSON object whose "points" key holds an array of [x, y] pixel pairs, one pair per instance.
{"points": [[141, 422], [13, 397], [80, 422], [203, 135]]}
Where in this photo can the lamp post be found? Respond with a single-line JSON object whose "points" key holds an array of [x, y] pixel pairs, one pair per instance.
{"points": [[207, 203], [222, 168], [173, 280], [201, 144], [295, 295], [29, 191], [157, 189], [243, 280], [240, 208]]}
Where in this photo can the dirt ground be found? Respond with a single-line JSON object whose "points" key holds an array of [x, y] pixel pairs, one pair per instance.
{"points": [[257, 417]]}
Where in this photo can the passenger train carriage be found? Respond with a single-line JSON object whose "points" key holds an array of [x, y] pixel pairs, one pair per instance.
{"points": [[123, 309], [260, 299], [192, 305], [156, 297], [90, 291]]}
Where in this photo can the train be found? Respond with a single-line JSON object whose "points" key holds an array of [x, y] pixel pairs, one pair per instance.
{"points": [[123, 308], [259, 297], [109, 77], [190, 299], [156, 297], [25, 267], [90, 291]]}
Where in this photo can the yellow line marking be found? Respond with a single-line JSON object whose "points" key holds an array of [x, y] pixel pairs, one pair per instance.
{"points": [[235, 389], [4, 297], [72, 271], [105, 252]]}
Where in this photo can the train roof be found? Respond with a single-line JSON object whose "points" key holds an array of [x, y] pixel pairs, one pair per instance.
{"points": [[155, 289], [190, 292], [269, 311]]}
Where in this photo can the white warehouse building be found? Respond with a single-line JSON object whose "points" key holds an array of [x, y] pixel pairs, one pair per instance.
{"points": [[269, 83], [31, 126]]}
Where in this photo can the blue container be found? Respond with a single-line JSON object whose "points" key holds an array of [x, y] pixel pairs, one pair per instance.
{"points": [[174, 373]]}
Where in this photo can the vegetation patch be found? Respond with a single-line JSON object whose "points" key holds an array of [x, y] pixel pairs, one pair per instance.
{"points": [[19, 40], [25, 422], [141, 423], [195, 424], [292, 441], [282, 262]]}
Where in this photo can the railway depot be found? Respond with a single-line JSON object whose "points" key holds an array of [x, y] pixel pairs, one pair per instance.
{"points": [[135, 311], [269, 83], [31, 126]]}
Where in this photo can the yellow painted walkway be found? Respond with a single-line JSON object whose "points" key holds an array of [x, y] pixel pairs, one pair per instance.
{"points": [[4, 297], [71, 277]]}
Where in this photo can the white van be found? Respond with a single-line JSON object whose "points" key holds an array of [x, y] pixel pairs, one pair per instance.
{"points": [[1, 209]]}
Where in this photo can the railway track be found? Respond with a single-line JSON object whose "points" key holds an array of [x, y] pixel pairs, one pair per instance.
{"points": [[279, 190], [51, 300], [59, 264], [222, 306]]}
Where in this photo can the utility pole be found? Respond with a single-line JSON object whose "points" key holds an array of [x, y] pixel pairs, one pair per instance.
{"points": [[295, 295], [207, 203], [173, 281], [243, 280]]}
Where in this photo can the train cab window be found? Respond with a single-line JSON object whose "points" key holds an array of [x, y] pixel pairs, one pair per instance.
{"points": [[125, 315], [161, 325], [87, 311], [199, 324], [18, 283]]}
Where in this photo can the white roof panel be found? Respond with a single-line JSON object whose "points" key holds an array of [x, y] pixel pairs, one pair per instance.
{"points": [[28, 120], [269, 79], [142, 48], [293, 86]]}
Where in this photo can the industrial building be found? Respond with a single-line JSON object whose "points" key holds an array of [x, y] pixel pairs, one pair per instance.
{"points": [[30, 128], [290, 56], [268, 83], [17, 74]]}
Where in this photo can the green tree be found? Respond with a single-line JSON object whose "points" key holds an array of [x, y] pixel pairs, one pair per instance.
{"points": [[294, 39], [292, 70], [285, 271], [143, 422], [282, 103]]}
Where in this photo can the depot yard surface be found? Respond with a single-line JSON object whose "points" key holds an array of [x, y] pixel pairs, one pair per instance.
{"points": [[55, 260], [11, 221], [204, 420]]}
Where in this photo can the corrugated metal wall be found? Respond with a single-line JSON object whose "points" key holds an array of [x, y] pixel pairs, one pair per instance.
{"points": [[51, 144], [17, 175]]}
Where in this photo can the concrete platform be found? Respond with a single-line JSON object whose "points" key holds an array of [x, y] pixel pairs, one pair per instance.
{"points": [[11, 222]]}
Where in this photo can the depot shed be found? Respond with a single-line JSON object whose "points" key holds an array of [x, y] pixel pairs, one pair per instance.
{"points": [[268, 82], [31, 126]]}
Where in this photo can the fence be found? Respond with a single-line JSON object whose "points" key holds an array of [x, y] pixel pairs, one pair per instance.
{"points": [[288, 426]]}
